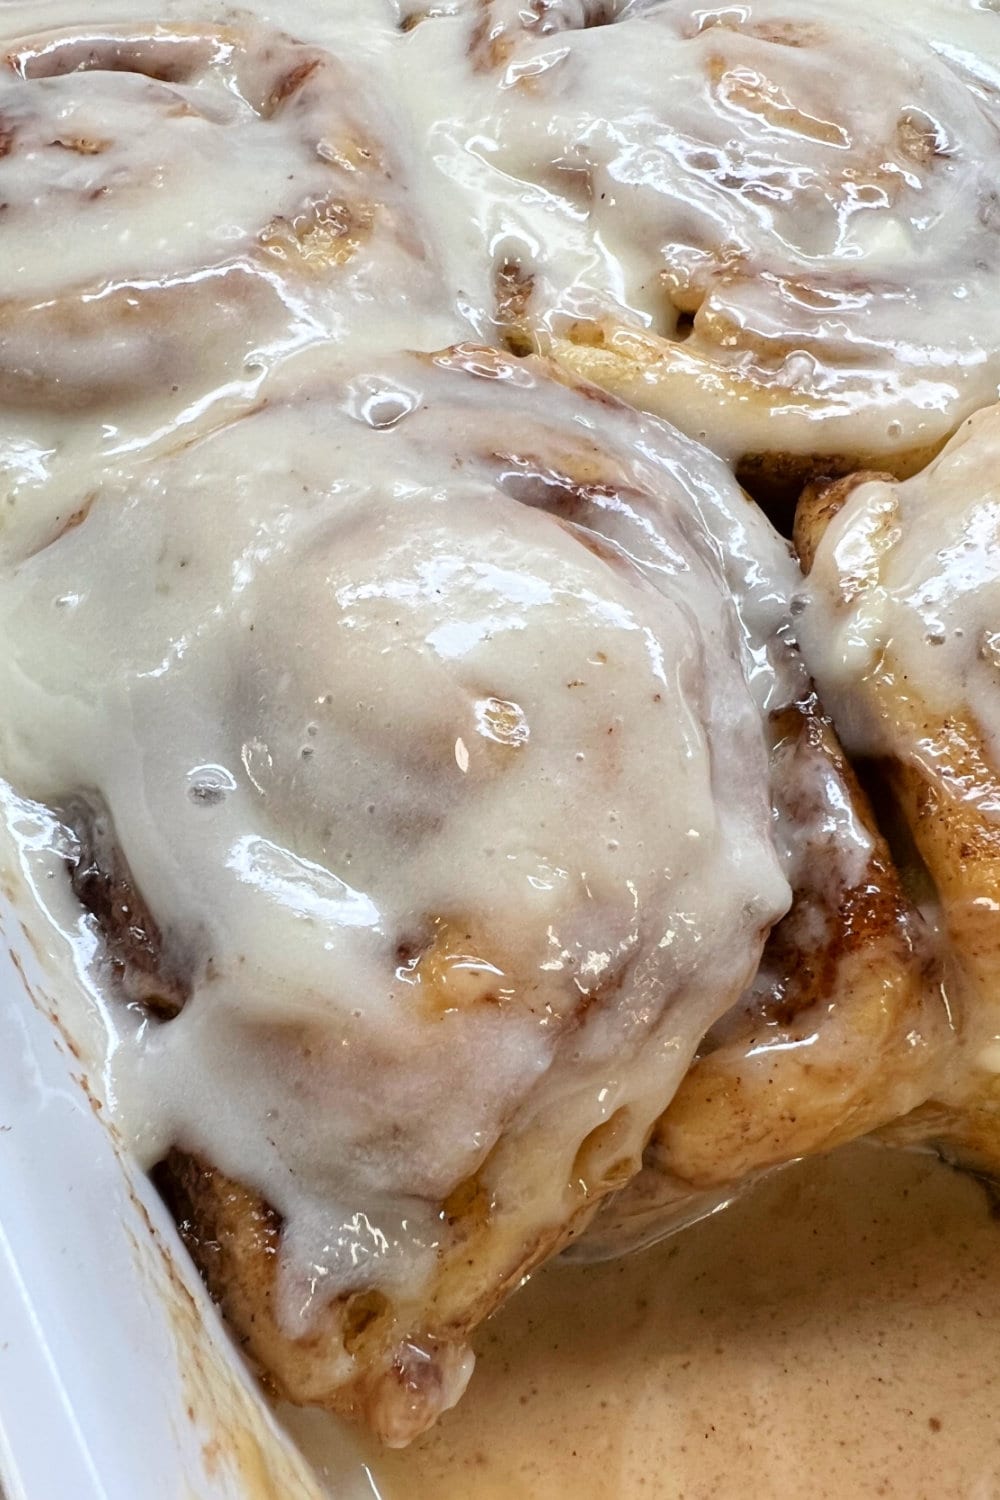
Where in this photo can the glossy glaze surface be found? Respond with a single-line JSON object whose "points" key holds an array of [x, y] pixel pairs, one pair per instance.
{"points": [[771, 222], [900, 625], [335, 681], [370, 667], [906, 588], [834, 1334]]}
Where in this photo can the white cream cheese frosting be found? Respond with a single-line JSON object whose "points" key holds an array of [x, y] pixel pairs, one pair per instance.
{"points": [[912, 571], [426, 699], [447, 794], [772, 222], [181, 199]]}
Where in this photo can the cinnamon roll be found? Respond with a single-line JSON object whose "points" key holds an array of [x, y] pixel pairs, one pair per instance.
{"points": [[180, 199], [412, 709], [773, 223], [846, 1025], [901, 630]]}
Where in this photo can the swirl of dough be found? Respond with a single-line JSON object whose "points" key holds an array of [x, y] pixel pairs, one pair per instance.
{"points": [[179, 199], [417, 704], [773, 222]]}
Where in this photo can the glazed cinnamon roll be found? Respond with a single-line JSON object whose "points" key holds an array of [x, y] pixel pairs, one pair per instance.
{"points": [[773, 223], [181, 199], [412, 709], [846, 1025], [901, 630]]}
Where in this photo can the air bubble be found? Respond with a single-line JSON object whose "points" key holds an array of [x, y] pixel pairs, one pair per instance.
{"points": [[210, 785], [378, 405]]}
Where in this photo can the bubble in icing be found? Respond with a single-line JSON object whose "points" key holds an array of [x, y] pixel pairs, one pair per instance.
{"points": [[210, 785]]}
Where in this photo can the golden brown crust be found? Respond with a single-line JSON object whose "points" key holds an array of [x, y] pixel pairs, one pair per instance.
{"points": [[850, 1031], [819, 502], [961, 848], [790, 486], [365, 1357], [676, 379], [234, 1238]]}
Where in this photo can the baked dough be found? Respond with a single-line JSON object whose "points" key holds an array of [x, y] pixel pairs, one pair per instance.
{"points": [[379, 691], [773, 223]]}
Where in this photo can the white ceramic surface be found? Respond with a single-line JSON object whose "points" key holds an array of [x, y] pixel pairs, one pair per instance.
{"points": [[117, 1381]]}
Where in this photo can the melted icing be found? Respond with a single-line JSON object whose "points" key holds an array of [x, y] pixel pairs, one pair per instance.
{"points": [[343, 751], [376, 881], [900, 627], [914, 567], [758, 219], [860, 1357]]}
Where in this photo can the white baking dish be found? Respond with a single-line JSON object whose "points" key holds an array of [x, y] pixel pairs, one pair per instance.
{"points": [[117, 1379]]}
